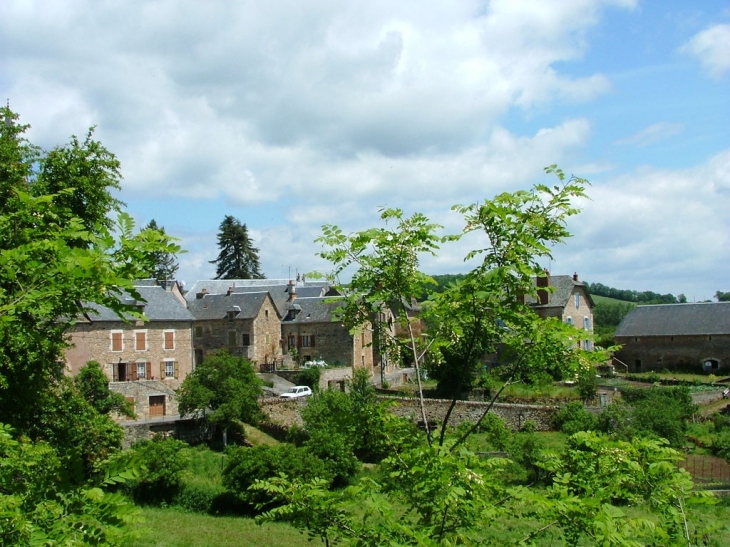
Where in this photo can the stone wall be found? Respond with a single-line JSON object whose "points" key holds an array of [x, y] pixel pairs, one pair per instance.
{"points": [[646, 353], [286, 412], [140, 391], [192, 431]]}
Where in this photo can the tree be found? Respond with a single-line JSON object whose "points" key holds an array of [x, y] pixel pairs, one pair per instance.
{"points": [[722, 296], [53, 264], [165, 262], [238, 258], [93, 385], [223, 389], [59, 253]]}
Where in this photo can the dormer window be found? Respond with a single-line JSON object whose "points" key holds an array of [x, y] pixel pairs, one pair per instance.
{"points": [[233, 313]]}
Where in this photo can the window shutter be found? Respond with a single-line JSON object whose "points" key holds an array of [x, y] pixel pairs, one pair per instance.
{"points": [[169, 340], [162, 369], [177, 369], [115, 372], [148, 369], [311, 340], [299, 341], [116, 341], [133, 367]]}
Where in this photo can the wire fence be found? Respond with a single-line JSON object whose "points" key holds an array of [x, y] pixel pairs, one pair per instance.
{"points": [[707, 471]]}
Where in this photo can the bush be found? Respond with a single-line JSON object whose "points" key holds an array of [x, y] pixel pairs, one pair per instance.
{"points": [[244, 466], [573, 417], [165, 461], [309, 377]]}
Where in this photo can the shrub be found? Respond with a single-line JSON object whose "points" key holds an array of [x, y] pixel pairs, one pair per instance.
{"points": [[573, 417], [309, 377], [244, 466], [165, 461]]}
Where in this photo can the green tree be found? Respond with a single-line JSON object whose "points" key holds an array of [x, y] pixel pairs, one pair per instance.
{"points": [[223, 390], [722, 296], [53, 264], [165, 262], [238, 258], [41, 506], [93, 385], [81, 176]]}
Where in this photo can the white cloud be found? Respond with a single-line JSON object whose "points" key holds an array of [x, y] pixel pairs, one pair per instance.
{"points": [[651, 134], [668, 226], [712, 48]]}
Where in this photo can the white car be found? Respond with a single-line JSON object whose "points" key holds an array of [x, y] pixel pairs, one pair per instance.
{"points": [[296, 392]]}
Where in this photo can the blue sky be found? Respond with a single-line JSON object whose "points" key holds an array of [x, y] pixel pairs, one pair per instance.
{"points": [[289, 114]]}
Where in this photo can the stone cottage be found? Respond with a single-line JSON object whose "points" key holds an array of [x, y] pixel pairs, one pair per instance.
{"points": [[676, 336], [144, 359]]}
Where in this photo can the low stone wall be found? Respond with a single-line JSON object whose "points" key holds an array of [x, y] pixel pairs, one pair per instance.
{"points": [[705, 397], [514, 416], [287, 412], [330, 377], [192, 431]]}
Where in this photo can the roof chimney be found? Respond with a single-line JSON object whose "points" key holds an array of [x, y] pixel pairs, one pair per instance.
{"points": [[543, 281], [229, 291], [201, 294], [575, 276], [292, 290]]}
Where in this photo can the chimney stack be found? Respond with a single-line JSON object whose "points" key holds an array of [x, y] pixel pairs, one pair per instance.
{"points": [[575, 276], [292, 290]]}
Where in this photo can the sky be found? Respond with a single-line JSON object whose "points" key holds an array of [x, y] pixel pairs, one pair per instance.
{"points": [[289, 115]]}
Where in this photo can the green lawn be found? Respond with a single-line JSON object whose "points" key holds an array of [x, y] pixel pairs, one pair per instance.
{"points": [[170, 527]]}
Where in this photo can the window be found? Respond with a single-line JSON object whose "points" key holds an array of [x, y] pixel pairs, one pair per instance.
{"points": [[267, 339], [198, 332], [569, 320], [169, 339], [577, 301], [586, 323], [291, 341], [169, 368], [231, 338], [140, 340], [141, 370], [306, 340], [587, 345], [245, 339], [116, 340], [266, 314]]}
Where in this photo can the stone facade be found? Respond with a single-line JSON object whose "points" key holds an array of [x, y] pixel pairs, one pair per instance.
{"points": [[257, 338], [646, 353], [330, 341]]}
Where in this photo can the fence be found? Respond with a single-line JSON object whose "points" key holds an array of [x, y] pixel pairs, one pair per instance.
{"points": [[707, 471]]}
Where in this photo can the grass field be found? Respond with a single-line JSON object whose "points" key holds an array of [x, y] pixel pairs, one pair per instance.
{"points": [[170, 527], [606, 300]]}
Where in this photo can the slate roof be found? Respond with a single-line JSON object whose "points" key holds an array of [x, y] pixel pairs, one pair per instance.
{"points": [[278, 288], [564, 285], [217, 306], [704, 318], [159, 305], [312, 310]]}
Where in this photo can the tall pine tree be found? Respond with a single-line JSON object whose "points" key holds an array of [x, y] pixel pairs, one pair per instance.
{"points": [[238, 258], [165, 264]]}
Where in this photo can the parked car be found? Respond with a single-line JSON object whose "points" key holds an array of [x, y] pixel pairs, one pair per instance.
{"points": [[315, 363], [296, 392]]}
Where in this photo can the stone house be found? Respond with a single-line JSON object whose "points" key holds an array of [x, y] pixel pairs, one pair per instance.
{"points": [[676, 336], [145, 360], [308, 327], [247, 324], [565, 297], [305, 326]]}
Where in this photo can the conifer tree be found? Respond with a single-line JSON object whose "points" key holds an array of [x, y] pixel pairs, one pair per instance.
{"points": [[238, 258], [165, 264]]}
